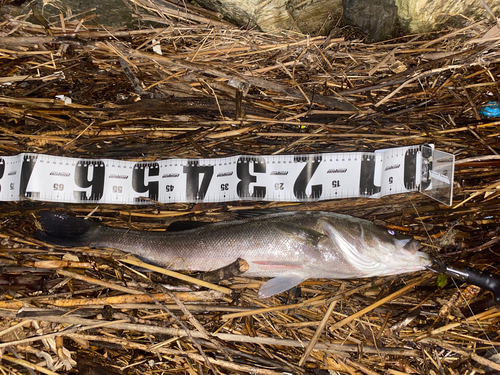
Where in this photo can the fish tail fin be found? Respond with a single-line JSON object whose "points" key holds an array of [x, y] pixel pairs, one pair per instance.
{"points": [[64, 230]]}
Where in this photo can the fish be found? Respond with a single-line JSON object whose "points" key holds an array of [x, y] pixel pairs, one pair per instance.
{"points": [[288, 247]]}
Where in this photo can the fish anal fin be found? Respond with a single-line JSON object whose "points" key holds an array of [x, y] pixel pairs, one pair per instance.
{"points": [[280, 284], [301, 234]]}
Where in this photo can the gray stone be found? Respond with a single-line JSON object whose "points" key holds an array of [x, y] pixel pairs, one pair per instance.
{"points": [[376, 18], [379, 19], [314, 17], [420, 16]]}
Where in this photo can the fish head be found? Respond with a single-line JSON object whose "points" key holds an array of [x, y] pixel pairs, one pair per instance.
{"points": [[372, 250], [396, 254]]}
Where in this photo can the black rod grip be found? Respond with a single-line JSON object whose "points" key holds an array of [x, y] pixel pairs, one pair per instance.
{"points": [[485, 280]]}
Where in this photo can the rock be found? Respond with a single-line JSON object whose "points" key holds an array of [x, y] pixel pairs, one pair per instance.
{"points": [[420, 16], [113, 13], [376, 18], [314, 17], [379, 19]]}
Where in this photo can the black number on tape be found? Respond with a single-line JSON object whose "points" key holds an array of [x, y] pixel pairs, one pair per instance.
{"points": [[2, 170], [195, 191], [410, 169], [300, 185], [279, 186], [243, 173], [367, 176], [139, 177], [29, 162], [96, 183], [426, 167]]}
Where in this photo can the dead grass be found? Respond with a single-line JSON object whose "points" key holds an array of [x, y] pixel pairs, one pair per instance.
{"points": [[218, 91]]}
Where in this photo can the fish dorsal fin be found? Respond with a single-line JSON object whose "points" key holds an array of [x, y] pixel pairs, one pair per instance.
{"points": [[179, 226], [247, 214], [280, 284], [300, 233]]}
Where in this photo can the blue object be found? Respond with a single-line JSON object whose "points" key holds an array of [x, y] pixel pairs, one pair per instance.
{"points": [[492, 109]]}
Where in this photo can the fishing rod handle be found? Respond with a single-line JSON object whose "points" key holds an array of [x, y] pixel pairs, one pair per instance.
{"points": [[482, 279]]}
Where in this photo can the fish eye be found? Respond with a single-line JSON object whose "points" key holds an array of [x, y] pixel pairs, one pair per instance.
{"points": [[391, 232]]}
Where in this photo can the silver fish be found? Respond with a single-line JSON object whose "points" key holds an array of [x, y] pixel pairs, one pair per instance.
{"points": [[290, 247]]}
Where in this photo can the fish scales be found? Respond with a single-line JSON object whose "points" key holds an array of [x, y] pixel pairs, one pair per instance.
{"points": [[290, 247], [266, 245]]}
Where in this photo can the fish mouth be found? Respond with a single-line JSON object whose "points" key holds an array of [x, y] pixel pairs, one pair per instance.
{"points": [[423, 262], [414, 264], [399, 271]]}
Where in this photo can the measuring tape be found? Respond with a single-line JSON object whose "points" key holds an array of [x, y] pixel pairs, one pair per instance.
{"points": [[290, 178]]}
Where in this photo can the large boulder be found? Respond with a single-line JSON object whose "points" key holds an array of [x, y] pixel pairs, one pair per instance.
{"points": [[420, 16], [376, 18], [379, 19], [275, 16]]}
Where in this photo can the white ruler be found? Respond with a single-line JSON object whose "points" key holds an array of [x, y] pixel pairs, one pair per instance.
{"points": [[291, 178]]}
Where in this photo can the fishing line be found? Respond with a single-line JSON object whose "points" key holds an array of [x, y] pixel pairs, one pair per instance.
{"points": [[474, 315], [420, 218], [452, 279]]}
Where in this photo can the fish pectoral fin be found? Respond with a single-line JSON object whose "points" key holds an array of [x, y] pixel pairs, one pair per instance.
{"points": [[280, 284], [300, 233]]}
